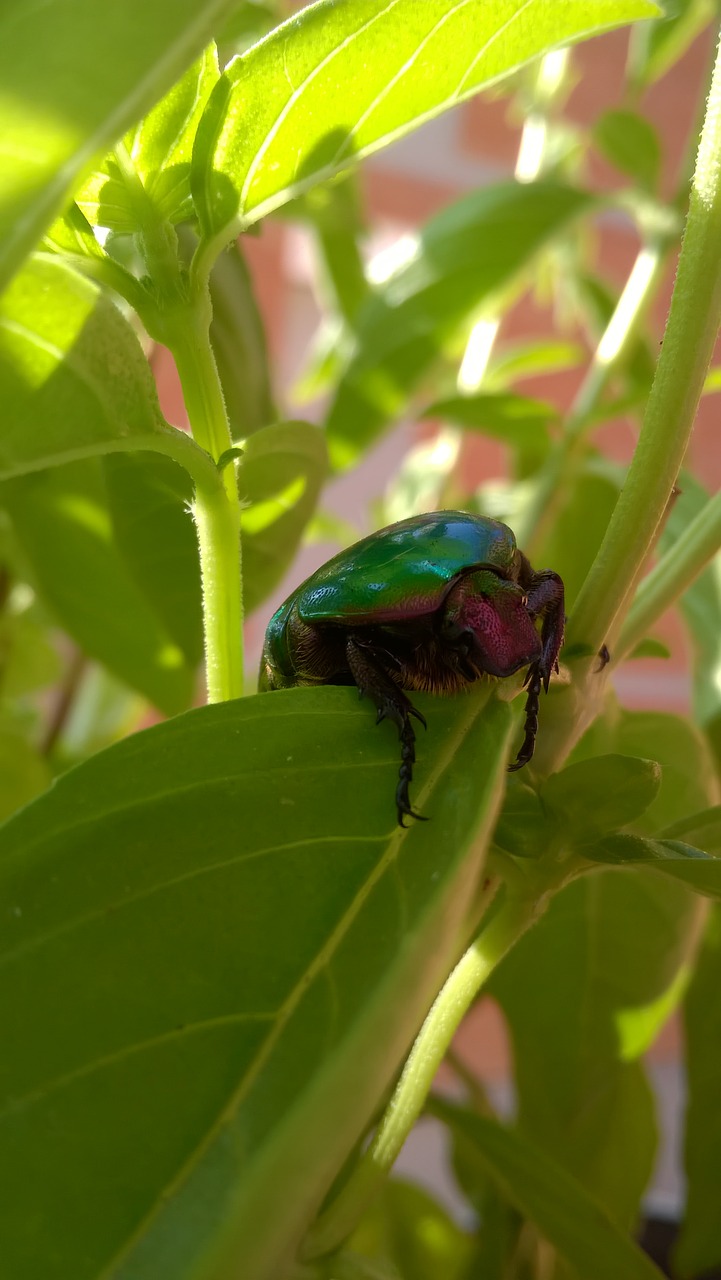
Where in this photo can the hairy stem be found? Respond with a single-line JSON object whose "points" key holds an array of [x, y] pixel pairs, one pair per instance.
{"points": [[217, 514], [688, 344]]}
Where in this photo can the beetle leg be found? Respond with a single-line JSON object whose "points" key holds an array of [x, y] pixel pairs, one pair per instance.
{"points": [[545, 600], [391, 704], [534, 682]]}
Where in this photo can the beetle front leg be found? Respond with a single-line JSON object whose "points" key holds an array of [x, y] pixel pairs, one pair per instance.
{"points": [[534, 682], [545, 595], [391, 704]]}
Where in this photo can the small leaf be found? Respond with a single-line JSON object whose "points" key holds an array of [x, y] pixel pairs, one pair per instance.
{"points": [[464, 255], [217, 944], [518, 421], [72, 372], [650, 648], [631, 143], [533, 359], [524, 827], [280, 478], [276, 122], [71, 86], [601, 794], [700, 871], [702, 829], [571, 1220], [72, 233]]}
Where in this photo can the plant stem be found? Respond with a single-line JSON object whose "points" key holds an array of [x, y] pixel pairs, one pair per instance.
{"points": [[513, 917], [217, 514], [673, 574], [687, 348], [621, 331]]}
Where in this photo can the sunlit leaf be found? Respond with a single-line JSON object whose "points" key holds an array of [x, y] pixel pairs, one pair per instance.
{"points": [[339, 81], [71, 85], [216, 937]]}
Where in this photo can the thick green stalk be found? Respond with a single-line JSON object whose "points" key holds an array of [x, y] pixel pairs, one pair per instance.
{"points": [[688, 344], [673, 574], [217, 515], [514, 916]]}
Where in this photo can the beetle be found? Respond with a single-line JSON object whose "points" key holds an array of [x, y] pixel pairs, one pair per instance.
{"points": [[434, 603]]}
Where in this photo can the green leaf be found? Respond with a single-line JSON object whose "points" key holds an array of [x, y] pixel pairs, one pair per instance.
{"points": [[63, 523], [699, 1247], [660, 44], [601, 794], [72, 233], [584, 993], [687, 775], [159, 148], [72, 372], [650, 648], [337, 82], [572, 1221], [700, 871], [217, 945], [464, 255], [524, 828], [23, 772], [280, 476], [702, 829], [149, 500], [632, 144], [407, 1227], [71, 86], [518, 421], [238, 342], [533, 359]]}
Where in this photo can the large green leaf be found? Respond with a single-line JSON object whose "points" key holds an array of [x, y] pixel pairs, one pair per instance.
{"points": [[541, 1188], [129, 596], [584, 994], [699, 1248], [72, 372], [465, 254], [217, 946], [340, 80], [71, 85]]}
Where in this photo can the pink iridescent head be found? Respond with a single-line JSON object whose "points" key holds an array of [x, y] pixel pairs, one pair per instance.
{"points": [[488, 616]]}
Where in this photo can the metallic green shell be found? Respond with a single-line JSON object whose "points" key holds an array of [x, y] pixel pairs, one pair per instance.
{"points": [[403, 572], [395, 575]]}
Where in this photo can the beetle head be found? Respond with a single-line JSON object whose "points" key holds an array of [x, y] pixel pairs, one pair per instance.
{"points": [[487, 619]]}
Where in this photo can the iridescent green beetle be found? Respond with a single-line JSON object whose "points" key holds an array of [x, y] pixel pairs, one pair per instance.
{"points": [[434, 602]]}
